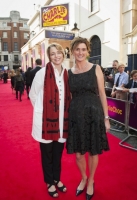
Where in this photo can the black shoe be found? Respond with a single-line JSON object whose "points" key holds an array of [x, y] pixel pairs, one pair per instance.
{"points": [[62, 188], [52, 193], [78, 192], [89, 196]]}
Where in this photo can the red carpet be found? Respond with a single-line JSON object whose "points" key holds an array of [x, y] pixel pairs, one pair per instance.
{"points": [[21, 175]]}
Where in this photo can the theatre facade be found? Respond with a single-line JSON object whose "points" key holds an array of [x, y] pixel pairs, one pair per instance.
{"points": [[48, 25], [110, 26]]}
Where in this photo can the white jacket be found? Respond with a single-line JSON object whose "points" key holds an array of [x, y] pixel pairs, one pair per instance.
{"points": [[36, 97]]}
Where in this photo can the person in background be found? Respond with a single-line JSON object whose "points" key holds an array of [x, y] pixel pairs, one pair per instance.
{"points": [[28, 80], [121, 79], [67, 52], [12, 77], [35, 70], [1, 75], [50, 98], [19, 84], [132, 84], [110, 76], [113, 71], [5, 77], [23, 76], [88, 114]]}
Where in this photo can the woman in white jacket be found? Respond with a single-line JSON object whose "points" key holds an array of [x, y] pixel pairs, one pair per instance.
{"points": [[50, 97]]}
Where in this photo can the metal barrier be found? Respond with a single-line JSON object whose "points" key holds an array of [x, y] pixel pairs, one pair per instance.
{"points": [[123, 112], [132, 124]]}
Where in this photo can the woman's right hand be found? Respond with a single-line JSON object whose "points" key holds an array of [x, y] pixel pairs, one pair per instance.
{"points": [[113, 94], [107, 125]]}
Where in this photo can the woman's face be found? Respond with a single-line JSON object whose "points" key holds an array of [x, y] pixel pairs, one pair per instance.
{"points": [[56, 56], [80, 52], [135, 77]]}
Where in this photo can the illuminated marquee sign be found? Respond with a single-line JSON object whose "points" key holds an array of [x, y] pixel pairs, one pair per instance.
{"points": [[55, 15]]}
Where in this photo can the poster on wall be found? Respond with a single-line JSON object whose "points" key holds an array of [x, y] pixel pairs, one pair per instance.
{"points": [[56, 15], [43, 54]]}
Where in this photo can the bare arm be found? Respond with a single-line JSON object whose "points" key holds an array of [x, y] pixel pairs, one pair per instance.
{"points": [[102, 95]]}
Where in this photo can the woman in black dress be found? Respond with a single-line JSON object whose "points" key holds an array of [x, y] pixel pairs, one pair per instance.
{"points": [[88, 114]]}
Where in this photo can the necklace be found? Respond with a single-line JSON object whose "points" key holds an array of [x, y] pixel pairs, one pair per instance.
{"points": [[80, 70]]}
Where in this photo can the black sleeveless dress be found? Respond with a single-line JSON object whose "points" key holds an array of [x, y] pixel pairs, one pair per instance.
{"points": [[87, 131]]}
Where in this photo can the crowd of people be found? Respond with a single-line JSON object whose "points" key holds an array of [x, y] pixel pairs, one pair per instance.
{"points": [[20, 80], [119, 83], [71, 107]]}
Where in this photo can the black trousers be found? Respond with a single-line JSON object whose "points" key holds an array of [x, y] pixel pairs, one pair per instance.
{"points": [[27, 89], [51, 155], [20, 93]]}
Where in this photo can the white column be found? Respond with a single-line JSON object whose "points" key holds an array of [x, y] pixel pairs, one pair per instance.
{"points": [[37, 55], [46, 45], [29, 58]]}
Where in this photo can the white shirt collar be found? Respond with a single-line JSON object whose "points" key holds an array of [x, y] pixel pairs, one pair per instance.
{"points": [[56, 71]]}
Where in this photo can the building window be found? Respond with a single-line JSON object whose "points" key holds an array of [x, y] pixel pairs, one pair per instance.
{"points": [[25, 25], [0, 57], [15, 46], [5, 46], [26, 35], [15, 34], [14, 24], [94, 5], [4, 34], [16, 58], [5, 57], [95, 54], [4, 24]]}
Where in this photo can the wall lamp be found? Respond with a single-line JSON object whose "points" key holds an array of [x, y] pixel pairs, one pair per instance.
{"points": [[75, 29]]}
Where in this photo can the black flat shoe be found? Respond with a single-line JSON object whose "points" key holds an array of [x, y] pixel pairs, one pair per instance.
{"points": [[62, 188], [52, 193], [78, 192], [89, 196]]}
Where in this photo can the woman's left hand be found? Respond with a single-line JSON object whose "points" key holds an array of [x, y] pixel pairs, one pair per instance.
{"points": [[107, 125]]}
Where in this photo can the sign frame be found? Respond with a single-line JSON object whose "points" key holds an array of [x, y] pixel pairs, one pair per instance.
{"points": [[56, 15]]}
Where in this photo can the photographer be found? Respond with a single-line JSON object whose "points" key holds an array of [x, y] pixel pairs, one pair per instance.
{"points": [[110, 76]]}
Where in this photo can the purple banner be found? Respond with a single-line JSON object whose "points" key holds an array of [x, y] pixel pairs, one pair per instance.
{"points": [[133, 116], [33, 56], [116, 109], [26, 56]]}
